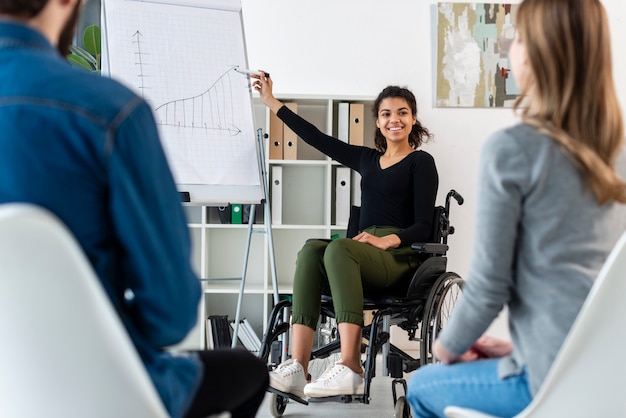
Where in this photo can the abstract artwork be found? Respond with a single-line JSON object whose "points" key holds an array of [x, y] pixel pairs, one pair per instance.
{"points": [[473, 68]]}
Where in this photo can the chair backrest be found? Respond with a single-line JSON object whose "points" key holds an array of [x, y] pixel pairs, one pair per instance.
{"points": [[439, 223], [587, 376], [64, 352]]}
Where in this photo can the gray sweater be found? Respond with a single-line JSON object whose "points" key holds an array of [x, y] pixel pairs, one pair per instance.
{"points": [[540, 240]]}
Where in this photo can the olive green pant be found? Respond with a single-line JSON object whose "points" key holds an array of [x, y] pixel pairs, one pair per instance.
{"points": [[348, 269]]}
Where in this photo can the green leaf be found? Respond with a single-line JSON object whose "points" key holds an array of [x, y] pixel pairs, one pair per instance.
{"points": [[76, 50], [92, 39], [78, 61]]}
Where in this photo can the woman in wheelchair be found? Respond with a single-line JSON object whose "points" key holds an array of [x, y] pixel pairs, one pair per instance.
{"points": [[550, 209], [399, 187]]}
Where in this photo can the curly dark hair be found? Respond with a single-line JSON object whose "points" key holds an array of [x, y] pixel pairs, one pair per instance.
{"points": [[419, 134], [22, 8]]}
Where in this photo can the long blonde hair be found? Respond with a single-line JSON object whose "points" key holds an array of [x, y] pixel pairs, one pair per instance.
{"points": [[571, 90]]}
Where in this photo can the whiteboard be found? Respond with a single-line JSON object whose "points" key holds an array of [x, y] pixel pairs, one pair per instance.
{"points": [[181, 56]]}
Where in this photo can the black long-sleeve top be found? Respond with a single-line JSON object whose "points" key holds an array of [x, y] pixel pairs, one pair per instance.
{"points": [[402, 195]]}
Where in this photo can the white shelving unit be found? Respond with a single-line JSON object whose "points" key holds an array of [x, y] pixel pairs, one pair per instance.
{"points": [[308, 201]]}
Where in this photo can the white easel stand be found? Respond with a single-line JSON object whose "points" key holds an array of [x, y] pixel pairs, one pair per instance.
{"points": [[270, 239]]}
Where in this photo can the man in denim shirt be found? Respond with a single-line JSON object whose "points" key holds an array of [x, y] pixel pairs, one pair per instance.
{"points": [[87, 149]]}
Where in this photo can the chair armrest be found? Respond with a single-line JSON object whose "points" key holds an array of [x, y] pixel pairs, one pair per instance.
{"points": [[429, 248], [458, 412]]}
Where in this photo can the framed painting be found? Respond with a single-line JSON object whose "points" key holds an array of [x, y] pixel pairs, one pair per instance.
{"points": [[472, 68]]}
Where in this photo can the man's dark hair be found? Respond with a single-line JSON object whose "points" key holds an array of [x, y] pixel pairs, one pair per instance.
{"points": [[22, 8]]}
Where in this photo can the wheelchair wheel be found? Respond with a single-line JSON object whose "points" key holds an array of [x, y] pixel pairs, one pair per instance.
{"points": [[441, 301], [277, 405], [402, 408]]}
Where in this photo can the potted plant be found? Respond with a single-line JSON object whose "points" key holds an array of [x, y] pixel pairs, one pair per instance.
{"points": [[89, 56]]}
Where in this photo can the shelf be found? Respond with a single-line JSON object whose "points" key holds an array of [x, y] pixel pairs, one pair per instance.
{"points": [[213, 287], [302, 162]]}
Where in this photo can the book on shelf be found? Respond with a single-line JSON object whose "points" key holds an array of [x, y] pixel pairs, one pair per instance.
{"points": [[208, 334], [218, 332], [246, 335]]}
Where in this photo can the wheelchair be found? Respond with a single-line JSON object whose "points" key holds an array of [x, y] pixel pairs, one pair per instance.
{"points": [[421, 311]]}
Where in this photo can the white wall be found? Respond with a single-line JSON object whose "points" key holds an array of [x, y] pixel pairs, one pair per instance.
{"points": [[357, 47]]}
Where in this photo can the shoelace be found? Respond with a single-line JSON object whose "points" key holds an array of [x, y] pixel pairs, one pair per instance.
{"points": [[288, 369], [331, 373]]}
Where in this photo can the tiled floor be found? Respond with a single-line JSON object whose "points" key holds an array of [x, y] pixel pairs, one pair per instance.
{"points": [[380, 406]]}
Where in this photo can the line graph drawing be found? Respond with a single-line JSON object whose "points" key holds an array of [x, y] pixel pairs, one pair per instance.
{"points": [[212, 109]]}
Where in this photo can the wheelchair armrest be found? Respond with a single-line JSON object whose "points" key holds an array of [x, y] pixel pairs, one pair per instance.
{"points": [[429, 247]]}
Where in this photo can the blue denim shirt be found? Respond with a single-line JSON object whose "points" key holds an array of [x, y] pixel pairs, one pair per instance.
{"points": [[87, 149]]}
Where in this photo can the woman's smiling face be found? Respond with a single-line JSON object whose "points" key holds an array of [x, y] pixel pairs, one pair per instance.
{"points": [[395, 119]]}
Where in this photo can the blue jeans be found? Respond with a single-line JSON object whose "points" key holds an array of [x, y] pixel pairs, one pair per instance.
{"points": [[474, 385]]}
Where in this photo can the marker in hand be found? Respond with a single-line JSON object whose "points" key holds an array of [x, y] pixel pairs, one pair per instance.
{"points": [[250, 72]]}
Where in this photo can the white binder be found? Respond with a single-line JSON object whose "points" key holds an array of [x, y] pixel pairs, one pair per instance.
{"points": [[356, 189], [277, 195], [343, 121], [342, 196]]}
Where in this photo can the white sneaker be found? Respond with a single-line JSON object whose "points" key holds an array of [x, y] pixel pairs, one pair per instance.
{"points": [[337, 380], [289, 377]]}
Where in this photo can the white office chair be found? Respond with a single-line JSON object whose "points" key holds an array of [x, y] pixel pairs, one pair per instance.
{"points": [[63, 350], [587, 376]]}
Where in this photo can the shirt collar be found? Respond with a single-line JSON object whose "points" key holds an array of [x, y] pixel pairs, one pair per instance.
{"points": [[18, 35]]}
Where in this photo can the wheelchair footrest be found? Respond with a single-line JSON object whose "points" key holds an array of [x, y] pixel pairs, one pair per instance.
{"points": [[339, 398], [288, 395]]}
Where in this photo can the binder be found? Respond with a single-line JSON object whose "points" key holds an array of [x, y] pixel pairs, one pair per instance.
{"points": [[357, 113], [224, 213], [208, 334], [276, 138], [236, 213], [220, 333], [290, 139], [356, 189], [342, 196], [255, 338], [343, 121], [277, 195], [241, 336], [246, 335]]}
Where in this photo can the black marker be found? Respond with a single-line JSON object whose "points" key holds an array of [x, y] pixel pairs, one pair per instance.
{"points": [[250, 72]]}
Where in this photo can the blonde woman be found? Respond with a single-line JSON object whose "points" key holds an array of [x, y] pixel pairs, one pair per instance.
{"points": [[550, 208]]}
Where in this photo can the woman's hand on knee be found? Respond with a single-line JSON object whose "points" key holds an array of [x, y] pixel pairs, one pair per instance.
{"points": [[484, 347], [382, 243], [442, 354], [490, 347]]}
